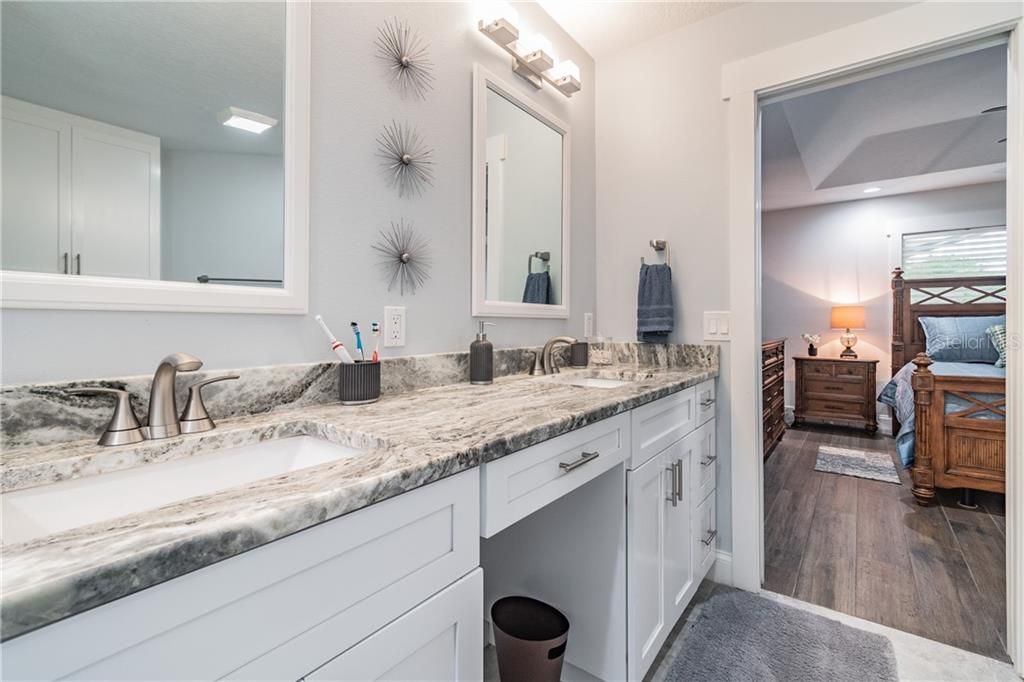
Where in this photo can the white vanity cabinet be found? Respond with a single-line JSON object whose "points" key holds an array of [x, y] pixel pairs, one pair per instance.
{"points": [[670, 509], [80, 197]]}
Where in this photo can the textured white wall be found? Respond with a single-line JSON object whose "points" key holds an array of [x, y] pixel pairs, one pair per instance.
{"points": [[662, 170], [819, 256], [222, 215], [349, 203]]}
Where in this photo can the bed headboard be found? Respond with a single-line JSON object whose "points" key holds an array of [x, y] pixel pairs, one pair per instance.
{"points": [[939, 297]]}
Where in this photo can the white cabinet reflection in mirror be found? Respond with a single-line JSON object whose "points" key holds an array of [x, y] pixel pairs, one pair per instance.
{"points": [[145, 155], [521, 205]]}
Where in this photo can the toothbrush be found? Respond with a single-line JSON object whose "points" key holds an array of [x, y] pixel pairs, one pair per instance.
{"points": [[375, 328], [359, 340], [336, 346]]}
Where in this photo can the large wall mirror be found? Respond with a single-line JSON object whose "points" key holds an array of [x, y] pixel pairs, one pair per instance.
{"points": [[520, 204], [155, 155]]}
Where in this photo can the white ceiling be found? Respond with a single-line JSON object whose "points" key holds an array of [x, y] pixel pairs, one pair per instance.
{"points": [[602, 27], [163, 68], [916, 129]]}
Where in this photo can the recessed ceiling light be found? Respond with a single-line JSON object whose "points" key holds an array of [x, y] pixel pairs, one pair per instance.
{"points": [[872, 190], [246, 120]]}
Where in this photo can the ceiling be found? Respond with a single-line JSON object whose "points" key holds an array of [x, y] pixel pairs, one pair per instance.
{"points": [[635, 21], [163, 68], [910, 130]]}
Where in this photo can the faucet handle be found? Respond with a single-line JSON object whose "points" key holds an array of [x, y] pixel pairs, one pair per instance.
{"points": [[195, 418], [123, 428], [536, 368]]}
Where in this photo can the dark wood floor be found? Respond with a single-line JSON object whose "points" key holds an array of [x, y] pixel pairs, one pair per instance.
{"points": [[867, 549]]}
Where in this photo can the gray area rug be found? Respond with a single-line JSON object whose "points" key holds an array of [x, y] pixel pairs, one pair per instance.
{"points": [[878, 466], [740, 636]]}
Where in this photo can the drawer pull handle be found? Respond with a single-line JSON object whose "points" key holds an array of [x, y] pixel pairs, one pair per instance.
{"points": [[584, 458], [834, 388], [707, 403], [673, 495], [711, 459], [712, 534], [679, 480]]}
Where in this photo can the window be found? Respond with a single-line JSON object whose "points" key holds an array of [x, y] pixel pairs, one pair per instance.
{"points": [[977, 251]]}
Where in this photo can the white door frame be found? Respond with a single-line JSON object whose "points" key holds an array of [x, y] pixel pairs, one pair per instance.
{"points": [[922, 27]]}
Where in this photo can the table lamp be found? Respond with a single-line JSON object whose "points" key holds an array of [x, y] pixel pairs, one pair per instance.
{"points": [[848, 317]]}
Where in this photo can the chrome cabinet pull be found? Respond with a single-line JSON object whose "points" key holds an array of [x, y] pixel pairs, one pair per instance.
{"points": [[679, 479], [707, 403], [672, 497], [712, 534], [66, 264], [78, 264], [709, 461], [584, 458]]}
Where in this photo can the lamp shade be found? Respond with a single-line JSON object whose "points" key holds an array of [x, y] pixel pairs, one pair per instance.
{"points": [[848, 317]]}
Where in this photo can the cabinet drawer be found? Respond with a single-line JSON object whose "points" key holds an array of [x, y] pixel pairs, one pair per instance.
{"points": [[849, 369], [705, 401], [657, 425], [303, 598], [836, 407], [823, 369], [441, 639], [830, 387], [704, 462], [705, 537], [521, 483]]}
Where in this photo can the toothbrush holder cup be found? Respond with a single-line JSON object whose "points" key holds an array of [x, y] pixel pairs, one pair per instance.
{"points": [[359, 382]]}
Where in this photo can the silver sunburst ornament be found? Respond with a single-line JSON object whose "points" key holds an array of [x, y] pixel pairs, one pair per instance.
{"points": [[405, 256], [407, 159], [406, 56]]}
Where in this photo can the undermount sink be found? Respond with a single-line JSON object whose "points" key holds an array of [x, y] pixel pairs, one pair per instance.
{"points": [[49, 509], [593, 378]]}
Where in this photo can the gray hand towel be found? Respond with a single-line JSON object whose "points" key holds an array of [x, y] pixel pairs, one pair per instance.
{"points": [[538, 288], [655, 313]]}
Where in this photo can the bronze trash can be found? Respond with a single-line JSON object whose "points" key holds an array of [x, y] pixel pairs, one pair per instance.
{"points": [[530, 637]]}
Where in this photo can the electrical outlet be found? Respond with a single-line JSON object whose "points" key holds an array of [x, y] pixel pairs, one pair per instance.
{"points": [[588, 325], [716, 325], [394, 326]]}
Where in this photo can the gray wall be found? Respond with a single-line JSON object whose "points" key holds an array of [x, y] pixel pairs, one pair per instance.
{"points": [[662, 171], [222, 214], [350, 203], [818, 256]]}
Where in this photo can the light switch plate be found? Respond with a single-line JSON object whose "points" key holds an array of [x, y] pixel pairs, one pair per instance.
{"points": [[717, 325]]}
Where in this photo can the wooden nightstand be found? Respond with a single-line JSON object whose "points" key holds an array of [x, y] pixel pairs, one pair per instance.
{"points": [[834, 391]]}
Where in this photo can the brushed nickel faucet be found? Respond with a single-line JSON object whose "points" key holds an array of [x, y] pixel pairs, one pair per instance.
{"points": [[547, 359], [163, 408]]}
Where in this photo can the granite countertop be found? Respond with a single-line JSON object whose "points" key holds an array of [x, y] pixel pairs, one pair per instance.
{"points": [[410, 439]]}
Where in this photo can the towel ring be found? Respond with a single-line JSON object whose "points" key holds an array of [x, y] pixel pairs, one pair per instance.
{"points": [[544, 256], [659, 245]]}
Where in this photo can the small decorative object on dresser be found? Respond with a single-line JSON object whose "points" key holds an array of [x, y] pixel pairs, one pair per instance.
{"points": [[773, 402], [836, 391], [813, 341]]}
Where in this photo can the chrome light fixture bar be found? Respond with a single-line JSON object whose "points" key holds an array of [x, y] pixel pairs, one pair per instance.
{"points": [[532, 59]]}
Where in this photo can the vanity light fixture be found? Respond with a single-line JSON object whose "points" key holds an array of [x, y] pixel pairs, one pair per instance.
{"points": [[532, 54], [872, 190], [246, 120]]}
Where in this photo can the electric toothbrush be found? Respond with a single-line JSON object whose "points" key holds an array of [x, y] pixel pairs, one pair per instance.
{"points": [[337, 346]]}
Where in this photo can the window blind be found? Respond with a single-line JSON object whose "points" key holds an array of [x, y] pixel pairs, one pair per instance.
{"points": [[955, 253]]}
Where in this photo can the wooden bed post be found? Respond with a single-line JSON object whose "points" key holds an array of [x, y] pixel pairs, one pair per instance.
{"points": [[921, 473], [898, 308]]}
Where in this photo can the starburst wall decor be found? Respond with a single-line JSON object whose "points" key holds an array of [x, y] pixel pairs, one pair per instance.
{"points": [[408, 160], [406, 56], [404, 257]]}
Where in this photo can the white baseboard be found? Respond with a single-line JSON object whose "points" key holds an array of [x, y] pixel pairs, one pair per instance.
{"points": [[721, 572]]}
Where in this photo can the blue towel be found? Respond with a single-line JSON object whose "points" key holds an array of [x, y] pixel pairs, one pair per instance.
{"points": [[538, 288], [655, 314]]}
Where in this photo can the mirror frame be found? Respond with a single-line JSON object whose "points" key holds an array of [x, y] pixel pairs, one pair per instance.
{"points": [[83, 292], [484, 80]]}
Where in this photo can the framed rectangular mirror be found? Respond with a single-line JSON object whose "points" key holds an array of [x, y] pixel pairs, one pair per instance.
{"points": [[155, 156], [521, 162]]}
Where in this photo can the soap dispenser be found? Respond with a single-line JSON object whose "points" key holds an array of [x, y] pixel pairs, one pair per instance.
{"points": [[481, 357]]}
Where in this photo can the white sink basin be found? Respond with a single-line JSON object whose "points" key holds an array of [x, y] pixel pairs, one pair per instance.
{"points": [[49, 509], [591, 378]]}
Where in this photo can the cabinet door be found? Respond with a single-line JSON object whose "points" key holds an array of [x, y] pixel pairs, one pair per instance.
{"points": [[645, 556], [441, 639], [679, 584], [115, 203], [36, 188]]}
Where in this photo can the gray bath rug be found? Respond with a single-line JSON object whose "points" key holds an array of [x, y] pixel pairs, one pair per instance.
{"points": [[877, 466], [740, 636]]}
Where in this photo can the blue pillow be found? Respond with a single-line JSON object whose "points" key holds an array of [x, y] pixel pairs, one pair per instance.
{"points": [[960, 339]]}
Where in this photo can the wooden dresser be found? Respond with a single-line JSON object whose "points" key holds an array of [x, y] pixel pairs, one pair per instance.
{"points": [[773, 364], [834, 391]]}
